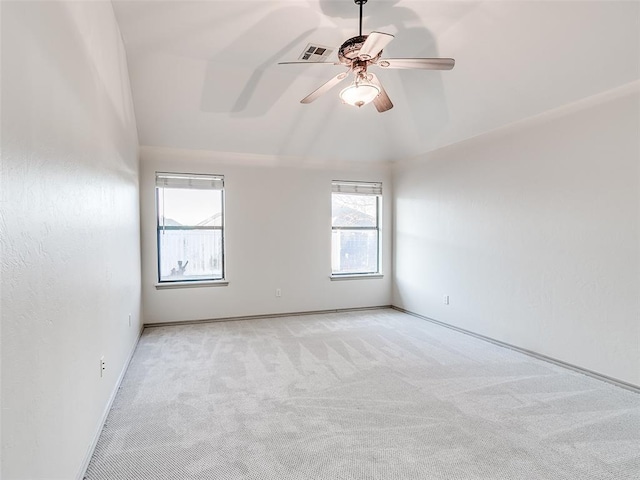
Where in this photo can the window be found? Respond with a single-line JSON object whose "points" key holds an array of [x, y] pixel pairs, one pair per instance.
{"points": [[355, 223], [190, 227]]}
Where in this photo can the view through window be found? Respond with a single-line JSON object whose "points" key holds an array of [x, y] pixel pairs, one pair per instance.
{"points": [[355, 222], [190, 214]]}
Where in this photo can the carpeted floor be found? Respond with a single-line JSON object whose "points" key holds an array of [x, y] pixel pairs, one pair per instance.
{"points": [[362, 395]]}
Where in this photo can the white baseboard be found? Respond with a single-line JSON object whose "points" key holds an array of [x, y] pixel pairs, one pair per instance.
{"points": [[531, 353], [92, 446], [266, 315]]}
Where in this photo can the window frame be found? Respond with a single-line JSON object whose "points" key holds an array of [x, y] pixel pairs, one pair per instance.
{"points": [[376, 191], [159, 228]]}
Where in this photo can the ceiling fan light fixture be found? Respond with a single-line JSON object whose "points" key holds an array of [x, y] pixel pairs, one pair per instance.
{"points": [[359, 93]]}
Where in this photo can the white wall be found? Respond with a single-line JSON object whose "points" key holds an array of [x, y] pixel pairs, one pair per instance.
{"points": [[70, 231], [533, 232], [278, 235]]}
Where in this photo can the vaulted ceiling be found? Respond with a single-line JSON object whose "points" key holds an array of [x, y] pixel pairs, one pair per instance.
{"points": [[204, 74]]}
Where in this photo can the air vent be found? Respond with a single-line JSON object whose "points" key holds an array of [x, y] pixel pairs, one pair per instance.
{"points": [[315, 53]]}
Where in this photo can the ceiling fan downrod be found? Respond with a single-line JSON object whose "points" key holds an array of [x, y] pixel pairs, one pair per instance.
{"points": [[361, 3]]}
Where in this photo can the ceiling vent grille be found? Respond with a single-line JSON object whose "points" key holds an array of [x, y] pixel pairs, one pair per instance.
{"points": [[315, 53]]}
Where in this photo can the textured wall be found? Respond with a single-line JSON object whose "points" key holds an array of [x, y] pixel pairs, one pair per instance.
{"points": [[70, 231], [278, 235], [533, 232]]}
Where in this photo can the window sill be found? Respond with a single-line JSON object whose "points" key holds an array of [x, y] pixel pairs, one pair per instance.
{"points": [[191, 284], [354, 276]]}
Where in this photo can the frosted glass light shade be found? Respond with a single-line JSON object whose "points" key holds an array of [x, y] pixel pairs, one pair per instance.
{"points": [[359, 94]]}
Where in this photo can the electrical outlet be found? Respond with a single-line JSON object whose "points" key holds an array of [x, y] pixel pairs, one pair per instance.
{"points": [[103, 366], [278, 292], [446, 299]]}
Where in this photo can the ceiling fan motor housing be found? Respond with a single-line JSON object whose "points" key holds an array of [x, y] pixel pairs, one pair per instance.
{"points": [[350, 50]]}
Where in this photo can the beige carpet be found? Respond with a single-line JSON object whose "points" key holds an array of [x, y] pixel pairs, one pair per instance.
{"points": [[363, 395]]}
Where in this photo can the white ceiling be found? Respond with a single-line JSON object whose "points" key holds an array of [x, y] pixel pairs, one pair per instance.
{"points": [[204, 74]]}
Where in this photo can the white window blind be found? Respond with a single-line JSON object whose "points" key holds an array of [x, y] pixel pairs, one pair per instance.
{"points": [[356, 188], [190, 181]]}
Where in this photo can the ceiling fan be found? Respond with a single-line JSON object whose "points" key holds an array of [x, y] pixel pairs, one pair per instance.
{"points": [[361, 52]]}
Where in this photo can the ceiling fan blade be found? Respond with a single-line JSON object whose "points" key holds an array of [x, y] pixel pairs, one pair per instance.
{"points": [[382, 102], [307, 63], [374, 44], [425, 63], [325, 88]]}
